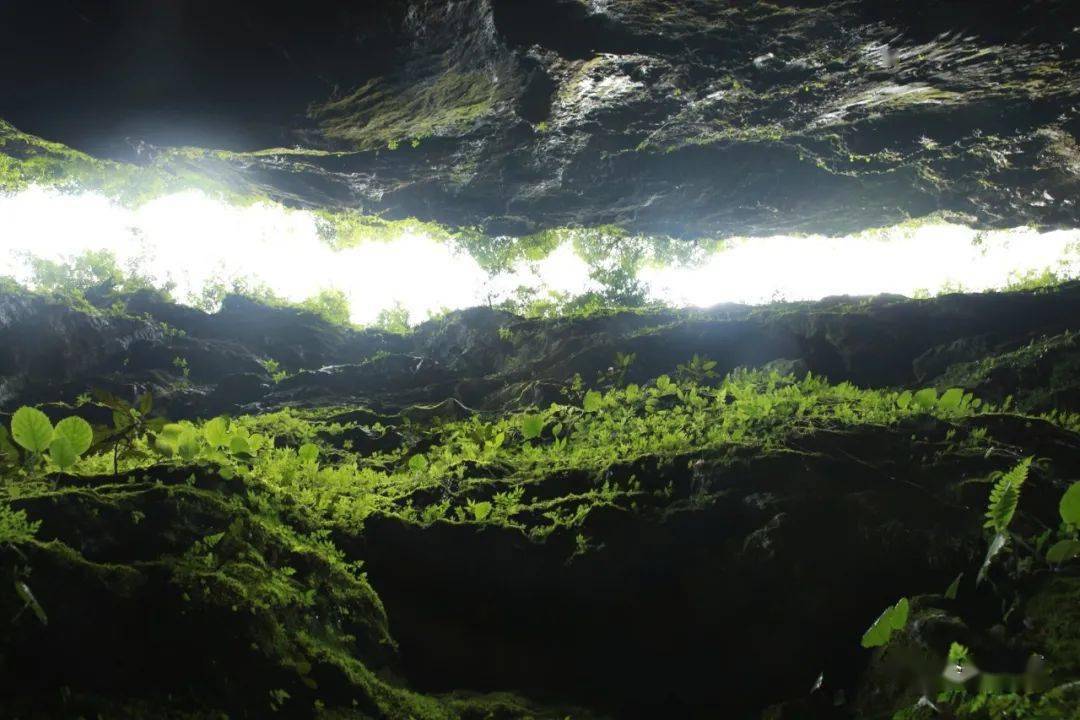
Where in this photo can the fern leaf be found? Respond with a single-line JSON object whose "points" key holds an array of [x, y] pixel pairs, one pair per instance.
{"points": [[1005, 496]]}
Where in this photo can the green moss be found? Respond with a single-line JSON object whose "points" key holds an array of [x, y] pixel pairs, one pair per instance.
{"points": [[27, 160], [382, 114], [1055, 615]]}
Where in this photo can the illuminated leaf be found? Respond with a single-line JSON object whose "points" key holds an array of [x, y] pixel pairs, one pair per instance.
{"points": [[532, 426], [1063, 551], [925, 398], [78, 432], [891, 620], [1070, 505], [216, 432], [62, 453], [31, 429], [593, 400]]}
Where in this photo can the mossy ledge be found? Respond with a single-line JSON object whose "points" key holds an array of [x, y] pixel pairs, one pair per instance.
{"points": [[698, 511]]}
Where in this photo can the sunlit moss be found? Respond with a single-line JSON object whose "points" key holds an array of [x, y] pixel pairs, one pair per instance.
{"points": [[382, 114]]}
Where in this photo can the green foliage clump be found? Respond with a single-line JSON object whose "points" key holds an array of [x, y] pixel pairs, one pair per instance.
{"points": [[394, 319], [15, 527], [63, 445], [331, 305]]}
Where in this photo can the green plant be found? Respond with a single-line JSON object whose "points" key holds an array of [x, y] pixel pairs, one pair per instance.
{"points": [[893, 619], [273, 369], [615, 375], [331, 305], [131, 423], [394, 319], [65, 444], [1005, 496], [1068, 546], [592, 402], [532, 426], [699, 370], [15, 527], [181, 364], [1004, 499]]}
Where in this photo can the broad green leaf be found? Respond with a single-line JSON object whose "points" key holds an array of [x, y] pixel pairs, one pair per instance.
{"points": [[903, 400], [532, 426], [1063, 551], [187, 444], [308, 452], [480, 510], [951, 399], [168, 438], [216, 432], [959, 654], [954, 587], [1070, 505], [62, 453], [31, 429], [418, 463], [78, 432], [925, 398], [893, 619], [593, 400], [238, 445]]}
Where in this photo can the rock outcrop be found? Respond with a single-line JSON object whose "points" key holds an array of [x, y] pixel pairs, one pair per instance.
{"points": [[689, 119]]}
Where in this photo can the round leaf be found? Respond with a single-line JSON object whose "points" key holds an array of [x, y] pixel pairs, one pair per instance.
{"points": [[31, 429], [1062, 551], [216, 432], [62, 453], [951, 399], [238, 445], [1070, 505], [925, 398], [78, 432]]}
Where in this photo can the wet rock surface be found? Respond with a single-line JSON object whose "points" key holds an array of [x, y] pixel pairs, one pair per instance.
{"points": [[690, 119]]}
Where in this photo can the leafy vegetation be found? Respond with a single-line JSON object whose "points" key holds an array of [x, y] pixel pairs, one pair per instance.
{"points": [[294, 478], [893, 619], [62, 446]]}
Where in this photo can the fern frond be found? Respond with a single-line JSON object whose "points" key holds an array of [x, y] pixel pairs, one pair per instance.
{"points": [[1005, 496]]}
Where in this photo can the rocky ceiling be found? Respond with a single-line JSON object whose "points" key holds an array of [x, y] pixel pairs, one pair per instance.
{"points": [[688, 118]]}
